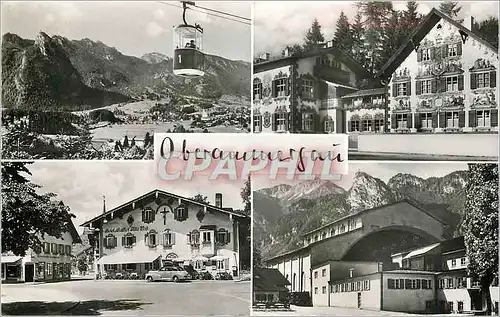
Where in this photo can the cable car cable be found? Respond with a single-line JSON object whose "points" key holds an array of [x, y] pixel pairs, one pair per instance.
{"points": [[225, 13], [211, 14]]}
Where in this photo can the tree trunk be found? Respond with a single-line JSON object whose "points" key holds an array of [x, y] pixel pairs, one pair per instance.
{"points": [[485, 289]]}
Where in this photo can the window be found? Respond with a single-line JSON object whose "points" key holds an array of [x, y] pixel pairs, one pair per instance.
{"points": [[358, 285], [354, 126], [323, 272], [307, 89], [148, 215], [450, 306], [68, 250], [452, 50], [461, 282], [223, 236], [194, 237], [426, 120], [129, 266], [332, 232], [207, 237], [463, 261], [483, 80], [46, 247], [426, 54], [110, 241], [329, 126], [402, 120], [379, 125], [351, 272], [308, 122], [128, 240], [323, 235], [60, 248], [483, 120], [453, 263], [452, 83], [450, 283], [441, 284], [323, 289], [452, 119], [426, 86], [342, 228], [257, 90], [367, 125], [53, 248], [281, 121], [280, 85], [151, 239], [180, 213], [315, 274], [257, 123], [168, 238], [402, 89], [366, 285], [316, 238], [460, 306], [428, 304]]}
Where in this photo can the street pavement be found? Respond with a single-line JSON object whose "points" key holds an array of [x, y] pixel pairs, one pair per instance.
{"points": [[334, 311], [127, 297]]}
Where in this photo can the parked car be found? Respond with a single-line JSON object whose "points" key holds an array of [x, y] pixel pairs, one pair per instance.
{"points": [[223, 276], [168, 273]]}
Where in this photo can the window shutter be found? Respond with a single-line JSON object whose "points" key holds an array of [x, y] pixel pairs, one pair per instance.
{"points": [[390, 283], [146, 239], [152, 215], [349, 128], [473, 81], [444, 50], [459, 48], [472, 119], [433, 53], [494, 117], [442, 119], [188, 238], [408, 91], [394, 90], [105, 242], [419, 55], [434, 119], [443, 84], [299, 121], [287, 118], [416, 121], [493, 79], [418, 87], [274, 89], [434, 85], [287, 86], [317, 122], [143, 215], [460, 82], [394, 122], [123, 241], [461, 119], [273, 120], [228, 237]]}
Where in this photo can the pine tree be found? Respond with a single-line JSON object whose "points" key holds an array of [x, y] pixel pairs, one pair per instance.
{"points": [[480, 225], [452, 9], [411, 18], [343, 35], [488, 30], [394, 37], [358, 43], [313, 37]]}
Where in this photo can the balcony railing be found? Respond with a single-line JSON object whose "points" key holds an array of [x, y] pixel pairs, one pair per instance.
{"points": [[332, 74], [330, 103]]}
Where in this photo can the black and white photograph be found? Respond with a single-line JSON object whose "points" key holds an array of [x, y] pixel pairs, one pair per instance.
{"points": [[112, 238], [96, 80], [409, 80], [398, 239]]}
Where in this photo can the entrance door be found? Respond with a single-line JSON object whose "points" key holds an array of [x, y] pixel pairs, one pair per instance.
{"points": [[29, 272], [359, 300]]}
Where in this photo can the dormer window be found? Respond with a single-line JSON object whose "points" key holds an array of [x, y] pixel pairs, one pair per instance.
{"points": [[109, 241], [148, 215], [151, 239], [180, 213], [223, 236], [128, 240]]}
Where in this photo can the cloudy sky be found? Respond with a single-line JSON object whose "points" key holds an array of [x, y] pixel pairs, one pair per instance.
{"points": [[134, 28], [81, 185], [383, 171], [278, 23]]}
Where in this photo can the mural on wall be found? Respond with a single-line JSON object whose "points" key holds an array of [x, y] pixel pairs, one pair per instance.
{"points": [[401, 105], [266, 87], [369, 102], [266, 120], [484, 98]]}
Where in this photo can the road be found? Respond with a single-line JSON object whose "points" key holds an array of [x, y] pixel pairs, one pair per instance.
{"points": [[127, 298], [334, 311]]}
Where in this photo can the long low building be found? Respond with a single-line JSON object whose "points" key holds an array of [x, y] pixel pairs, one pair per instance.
{"points": [[376, 263]]}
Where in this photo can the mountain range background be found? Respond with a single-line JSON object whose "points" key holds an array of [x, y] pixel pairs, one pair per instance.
{"points": [[53, 72], [283, 213]]}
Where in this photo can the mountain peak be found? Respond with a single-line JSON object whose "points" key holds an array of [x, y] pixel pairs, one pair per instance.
{"points": [[155, 57]]}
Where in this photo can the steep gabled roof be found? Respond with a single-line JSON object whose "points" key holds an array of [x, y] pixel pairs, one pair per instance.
{"points": [[432, 18], [161, 192], [266, 279]]}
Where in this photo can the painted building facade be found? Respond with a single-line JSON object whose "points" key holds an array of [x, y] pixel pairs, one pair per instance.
{"points": [[142, 234], [53, 262], [302, 94]]}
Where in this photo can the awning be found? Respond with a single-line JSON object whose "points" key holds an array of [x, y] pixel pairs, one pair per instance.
{"points": [[200, 258], [421, 251], [219, 258], [122, 257], [10, 259]]}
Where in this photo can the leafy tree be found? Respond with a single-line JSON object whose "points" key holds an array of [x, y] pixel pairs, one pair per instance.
{"points": [[82, 264], [343, 36], [293, 50], [26, 215], [480, 225], [313, 37], [246, 195], [451, 8], [488, 30], [201, 199]]}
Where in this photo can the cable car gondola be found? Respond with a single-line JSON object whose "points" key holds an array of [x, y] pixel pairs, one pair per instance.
{"points": [[188, 48]]}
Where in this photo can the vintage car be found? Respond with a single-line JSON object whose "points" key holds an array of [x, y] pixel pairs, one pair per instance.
{"points": [[168, 273]]}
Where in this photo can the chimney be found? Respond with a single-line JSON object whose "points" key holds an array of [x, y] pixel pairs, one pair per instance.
{"points": [[469, 22], [265, 56], [218, 200], [287, 52], [103, 204]]}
